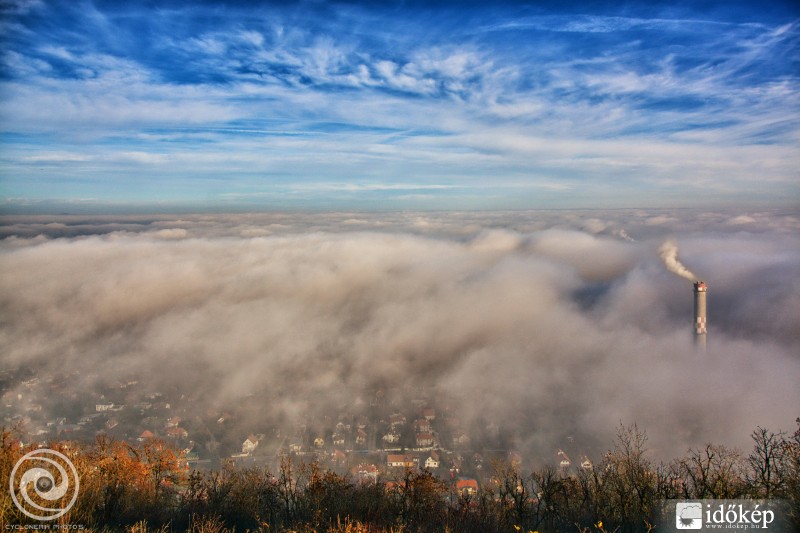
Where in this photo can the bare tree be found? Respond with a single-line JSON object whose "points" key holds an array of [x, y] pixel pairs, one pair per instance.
{"points": [[513, 491], [767, 463], [791, 454], [627, 481], [552, 510], [712, 472], [287, 489]]}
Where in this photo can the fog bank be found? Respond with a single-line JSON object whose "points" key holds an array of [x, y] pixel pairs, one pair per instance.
{"points": [[548, 324]]}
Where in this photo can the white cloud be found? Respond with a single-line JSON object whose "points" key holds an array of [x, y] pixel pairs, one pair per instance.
{"points": [[285, 100], [171, 233], [493, 316]]}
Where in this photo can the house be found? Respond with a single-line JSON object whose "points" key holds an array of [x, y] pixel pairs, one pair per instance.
{"points": [[564, 461], [177, 433], [424, 440], [361, 436], [477, 460], [338, 439], [394, 487], [173, 422], [338, 457], [319, 442], [191, 456], [586, 463], [100, 407], [366, 473], [72, 428], [429, 413], [467, 487], [249, 444], [423, 425], [57, 422], [432, 461], [145, 435], [391, 437], [295, 445], [152, 422], [400, 461], [397, 419], [88, 419]]}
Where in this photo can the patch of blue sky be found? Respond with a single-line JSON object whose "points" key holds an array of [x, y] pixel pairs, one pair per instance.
{"points": [[775, 133], [685, 103], [668, 128], [322, 89]]}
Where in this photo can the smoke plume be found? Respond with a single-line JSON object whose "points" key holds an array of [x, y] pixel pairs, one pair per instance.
{"points": [[669, 254]]}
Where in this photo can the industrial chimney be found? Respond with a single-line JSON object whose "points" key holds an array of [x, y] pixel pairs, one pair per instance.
{"points": [[700, 314]]}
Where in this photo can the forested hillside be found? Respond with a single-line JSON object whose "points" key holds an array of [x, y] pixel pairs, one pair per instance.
{"points": [[149, 487]]}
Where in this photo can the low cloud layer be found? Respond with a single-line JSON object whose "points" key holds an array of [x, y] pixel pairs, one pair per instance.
{"points": [[552, 325]]}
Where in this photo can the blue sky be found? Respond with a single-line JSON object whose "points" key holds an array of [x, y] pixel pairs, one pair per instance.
{"points": [[460, 105]]}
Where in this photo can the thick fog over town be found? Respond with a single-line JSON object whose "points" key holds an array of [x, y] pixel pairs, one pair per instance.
{"points": [[540, 327]]}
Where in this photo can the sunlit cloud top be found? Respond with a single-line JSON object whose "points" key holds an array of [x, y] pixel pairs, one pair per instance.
{"points": [[347, 106]]}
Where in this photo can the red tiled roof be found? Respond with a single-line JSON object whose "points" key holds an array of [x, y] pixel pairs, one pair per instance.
{"points": [[463, 484], [399, 458]]}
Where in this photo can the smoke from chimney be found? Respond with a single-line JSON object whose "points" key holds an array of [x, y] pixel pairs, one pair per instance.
{"points": [[669, 254]]}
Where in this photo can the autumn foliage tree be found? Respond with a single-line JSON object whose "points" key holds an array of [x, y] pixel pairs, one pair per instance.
{"points": [[135, 487], [10, 453]]}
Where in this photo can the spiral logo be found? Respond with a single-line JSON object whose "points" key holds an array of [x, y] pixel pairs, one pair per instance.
{"points": [[41, 481]]}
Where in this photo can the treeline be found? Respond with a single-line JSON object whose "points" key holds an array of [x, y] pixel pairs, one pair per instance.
{"points": [[148, 488]]}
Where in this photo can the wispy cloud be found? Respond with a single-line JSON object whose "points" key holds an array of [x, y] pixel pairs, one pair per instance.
{"points": [[606, 24], [485, 97]]}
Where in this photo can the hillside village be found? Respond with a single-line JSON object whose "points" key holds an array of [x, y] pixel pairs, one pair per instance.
{"points": [[378, 440], [404, 460]]}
